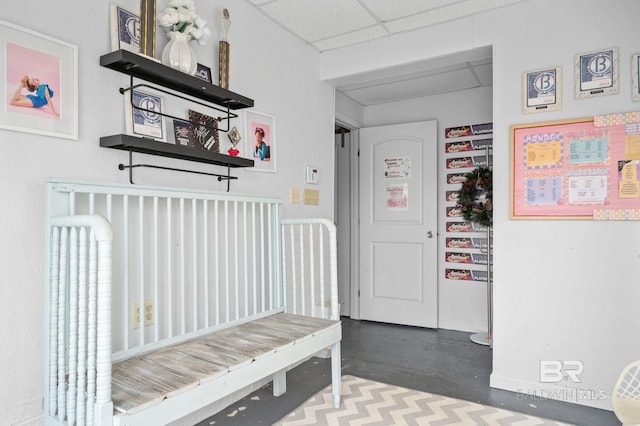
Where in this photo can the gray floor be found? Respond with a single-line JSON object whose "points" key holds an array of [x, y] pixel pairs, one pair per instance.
{"points": [[438, 361]]}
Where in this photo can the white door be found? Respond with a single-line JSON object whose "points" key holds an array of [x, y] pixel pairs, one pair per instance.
{"points": [[398, 224]]}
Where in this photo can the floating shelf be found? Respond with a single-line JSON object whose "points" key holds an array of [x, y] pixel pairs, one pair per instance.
{"points": [[141, 67], [163, 149]]}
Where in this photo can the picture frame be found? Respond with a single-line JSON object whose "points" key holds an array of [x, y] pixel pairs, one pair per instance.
{"points": [[203, 132], [143, 115], [264, 158], [542, 90], [635, 74], [125, 29], [52, 108], [596, 73], [203, 72]]}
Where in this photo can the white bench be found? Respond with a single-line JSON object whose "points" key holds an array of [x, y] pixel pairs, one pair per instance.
{"points": [[230, 296]]}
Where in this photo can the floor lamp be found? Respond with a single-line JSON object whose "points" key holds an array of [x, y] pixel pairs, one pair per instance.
{"points": [[487, 338]]}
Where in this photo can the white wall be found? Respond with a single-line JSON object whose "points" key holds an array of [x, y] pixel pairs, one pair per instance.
{"points": [[563, 290], [267, 64]]}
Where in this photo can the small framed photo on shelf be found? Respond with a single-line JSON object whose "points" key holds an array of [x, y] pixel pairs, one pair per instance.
{"points": [[125, 29], [260, 140], [596, 73], [204, 131], [203, 72], [542, 90], [635, 74], [181, 131], [40, 80], [143, 114]]}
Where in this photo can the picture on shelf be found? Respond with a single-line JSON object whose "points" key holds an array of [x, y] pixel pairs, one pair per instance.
{"points": [[203, 73], [143, 115], [204, 131], [181, 130], [125, 29]]}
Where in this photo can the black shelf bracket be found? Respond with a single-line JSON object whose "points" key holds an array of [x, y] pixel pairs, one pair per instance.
{"points": [[227, 111], [132, 166]]}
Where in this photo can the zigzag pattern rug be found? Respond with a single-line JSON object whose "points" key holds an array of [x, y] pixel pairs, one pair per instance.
{"points": [[365, 402]]}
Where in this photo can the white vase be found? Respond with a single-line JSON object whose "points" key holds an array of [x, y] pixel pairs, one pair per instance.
{"points": [[178, 53]]}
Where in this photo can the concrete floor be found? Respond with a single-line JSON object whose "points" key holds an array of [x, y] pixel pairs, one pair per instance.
{"points": [[437, 361]]}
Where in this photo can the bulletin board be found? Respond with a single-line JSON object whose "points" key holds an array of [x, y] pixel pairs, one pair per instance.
{"points": [[587, 168]]}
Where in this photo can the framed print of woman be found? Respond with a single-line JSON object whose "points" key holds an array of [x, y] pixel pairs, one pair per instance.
{"points": [[260, 140]]}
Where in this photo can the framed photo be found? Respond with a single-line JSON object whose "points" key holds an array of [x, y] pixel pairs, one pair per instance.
{"points": [[203, 132], [181, 131], [125, 29], [635, 74], [39, 79], [260, 140], [542, 90], [142, 115], [203, 72], [596, 73]]}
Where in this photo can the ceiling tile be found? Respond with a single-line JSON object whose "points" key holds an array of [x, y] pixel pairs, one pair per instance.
{"points": [[445, 14], [319, 19], [387, 10], [351, 38]]}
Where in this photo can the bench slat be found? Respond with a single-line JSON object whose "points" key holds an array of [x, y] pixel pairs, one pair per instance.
{"points": [[148, 379]]}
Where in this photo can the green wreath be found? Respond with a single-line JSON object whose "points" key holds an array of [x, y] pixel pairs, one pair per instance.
{"points": [[475, 198]]}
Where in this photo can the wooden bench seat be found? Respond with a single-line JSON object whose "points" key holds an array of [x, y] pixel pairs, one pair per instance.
{"points": [[142, 381]]}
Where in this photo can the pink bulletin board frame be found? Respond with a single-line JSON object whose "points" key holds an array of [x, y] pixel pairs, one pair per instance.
{"points": [[571, 169]]}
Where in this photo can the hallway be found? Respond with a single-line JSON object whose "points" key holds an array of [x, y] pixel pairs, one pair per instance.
{"points": [[437, 361]]}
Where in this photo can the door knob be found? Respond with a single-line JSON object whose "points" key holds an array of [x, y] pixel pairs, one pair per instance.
{"points": [[429, 234]]}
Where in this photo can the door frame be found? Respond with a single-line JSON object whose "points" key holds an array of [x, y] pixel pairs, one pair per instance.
{"points": [[354, 182]]}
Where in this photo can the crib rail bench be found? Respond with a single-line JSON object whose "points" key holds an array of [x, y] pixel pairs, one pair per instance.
{"points": [[176, 379], [239, 296]]}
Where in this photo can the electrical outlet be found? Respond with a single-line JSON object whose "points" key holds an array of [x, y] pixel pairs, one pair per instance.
{"points": [[147, 315], [135, 315]]}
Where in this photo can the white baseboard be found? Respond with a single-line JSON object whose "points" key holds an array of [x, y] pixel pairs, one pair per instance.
{"points": [[535, 390]]}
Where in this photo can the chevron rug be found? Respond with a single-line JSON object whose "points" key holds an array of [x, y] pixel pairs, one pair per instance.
{"points": [[365, 402]]}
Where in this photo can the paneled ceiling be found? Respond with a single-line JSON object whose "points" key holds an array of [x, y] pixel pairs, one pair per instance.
{"points": [[332, 24]]}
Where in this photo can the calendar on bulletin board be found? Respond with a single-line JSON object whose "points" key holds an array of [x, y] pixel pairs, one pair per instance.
{"points": [[586, 168]]}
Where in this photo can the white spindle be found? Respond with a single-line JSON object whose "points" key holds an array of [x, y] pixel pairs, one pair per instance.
{"points": [[216, 256], [226, 260], [183, 312], [205, 254], [245, 243], [62, 306], [156, 270], [194, 238], [169, 311], [82, 327], [312, 270], [322, 286], [125, 276], [92, 320], [54, 290], [236, 278], [73, 323], [262, 254], [141, 278]]}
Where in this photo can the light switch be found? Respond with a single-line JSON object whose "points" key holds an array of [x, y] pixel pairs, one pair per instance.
{"points": [[312, 197], [295, 195]]}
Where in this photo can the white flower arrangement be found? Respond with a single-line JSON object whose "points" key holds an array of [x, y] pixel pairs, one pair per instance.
{"points": [[181, 16]]}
